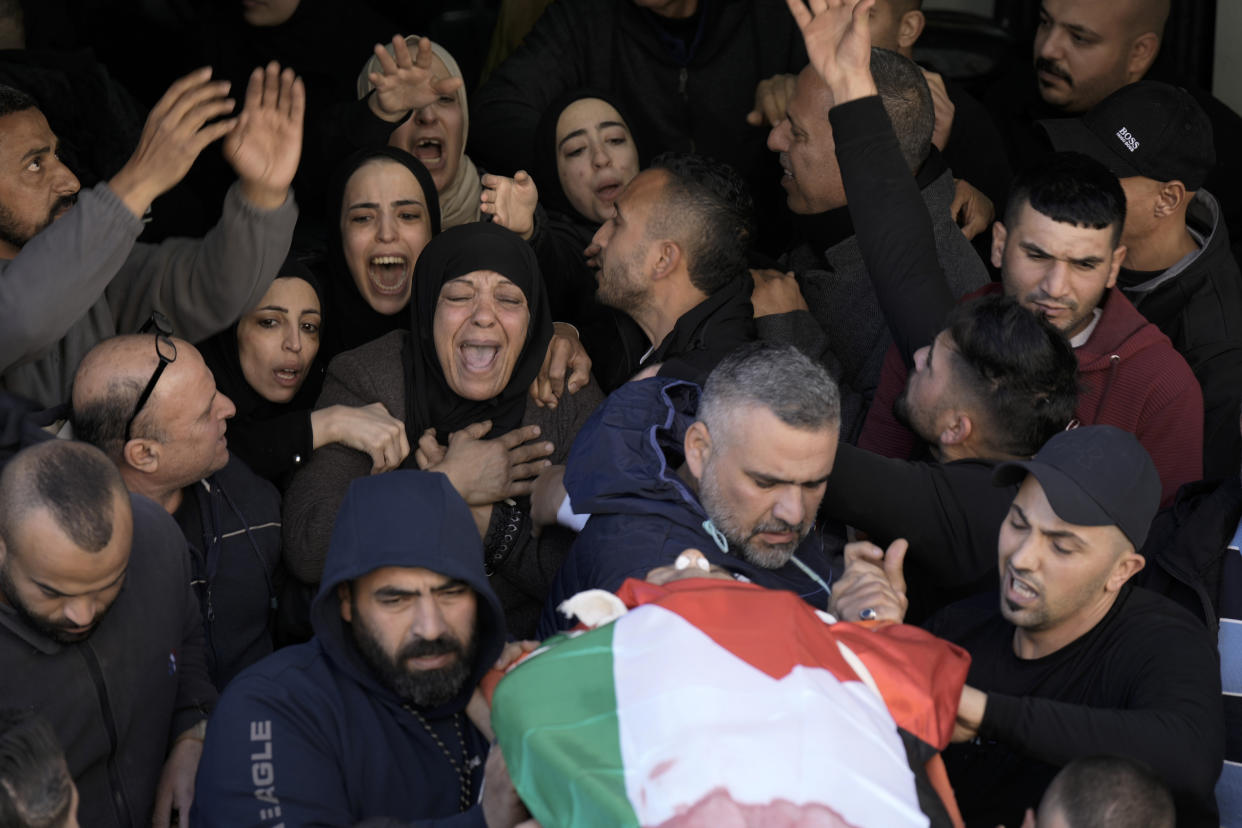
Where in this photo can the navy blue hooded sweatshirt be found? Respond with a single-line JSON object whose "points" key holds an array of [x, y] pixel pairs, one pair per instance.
{"points": [[622, 470], [310, 736]]}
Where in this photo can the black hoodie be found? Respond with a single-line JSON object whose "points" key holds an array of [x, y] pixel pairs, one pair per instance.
{"points": [[310, 735]]}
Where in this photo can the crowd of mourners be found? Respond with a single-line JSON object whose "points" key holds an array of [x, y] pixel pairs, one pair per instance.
{"points": [[711, 418]]}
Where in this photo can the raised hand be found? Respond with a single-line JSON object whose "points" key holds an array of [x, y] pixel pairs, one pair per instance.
{"points": [[405, 82], [265, 143], [510, 202], [176, 131], [838, 43]]}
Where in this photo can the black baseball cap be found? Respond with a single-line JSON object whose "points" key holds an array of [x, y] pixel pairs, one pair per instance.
{"points": [[1147, 129], [1094, 476]]}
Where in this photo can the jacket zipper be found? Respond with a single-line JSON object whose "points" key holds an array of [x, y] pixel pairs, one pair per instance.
{"points": [[114, 776]]}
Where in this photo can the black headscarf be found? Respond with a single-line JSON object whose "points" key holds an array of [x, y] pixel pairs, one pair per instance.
{"points": [[547, 178], [354, 322], [221, 355], [429, 401]]}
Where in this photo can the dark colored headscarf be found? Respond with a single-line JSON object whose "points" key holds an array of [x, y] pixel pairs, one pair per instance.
{"points": [[429, 401], [221, 355], [547, 179], [354, 322]]}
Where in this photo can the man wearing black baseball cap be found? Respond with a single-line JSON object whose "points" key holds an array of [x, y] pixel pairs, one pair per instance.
{"points": [[1073, 661], [1179, 271]]}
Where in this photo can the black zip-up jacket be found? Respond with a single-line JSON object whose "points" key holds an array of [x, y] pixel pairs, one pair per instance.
{"points": [[119, 699], [1197, 303], [231, 522]]}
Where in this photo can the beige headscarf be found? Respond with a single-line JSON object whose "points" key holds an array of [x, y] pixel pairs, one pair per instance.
{"points": [[459, 201]]}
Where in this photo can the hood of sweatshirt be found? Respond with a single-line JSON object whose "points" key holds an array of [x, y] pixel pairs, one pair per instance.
{"points": [[408, 519]]}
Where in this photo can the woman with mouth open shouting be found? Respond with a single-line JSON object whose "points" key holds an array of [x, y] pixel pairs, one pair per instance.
{"points": [[269, 364], [435, 134], [458, 377], [584, 157]]}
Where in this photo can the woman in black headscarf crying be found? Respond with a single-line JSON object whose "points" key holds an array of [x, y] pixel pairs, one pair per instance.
{"points": [[480, 326]]}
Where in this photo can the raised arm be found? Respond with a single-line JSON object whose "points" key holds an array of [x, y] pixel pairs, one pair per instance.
{"points": [[890, 218]]}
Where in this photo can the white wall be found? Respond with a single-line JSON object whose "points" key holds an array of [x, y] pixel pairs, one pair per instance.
{"points": [[1227, 69]]}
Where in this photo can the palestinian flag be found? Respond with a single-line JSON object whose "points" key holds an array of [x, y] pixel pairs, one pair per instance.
{"points": [[718, 703]]}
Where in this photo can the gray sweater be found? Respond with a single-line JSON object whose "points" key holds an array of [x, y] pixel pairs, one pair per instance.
{"points": [[845, 327], [84, 279]]}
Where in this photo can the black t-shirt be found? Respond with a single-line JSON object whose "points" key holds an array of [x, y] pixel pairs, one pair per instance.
{"points": [[1143, 683]]}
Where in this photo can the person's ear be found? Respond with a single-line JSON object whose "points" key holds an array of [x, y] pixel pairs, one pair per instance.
{"points": [[910, 28], [670, 255], [1171, 197], [1142, 54], [1119, 257], [345, 598], [698, 448], [958, 428], [998, 243], [1128, 565], [142, 454]]}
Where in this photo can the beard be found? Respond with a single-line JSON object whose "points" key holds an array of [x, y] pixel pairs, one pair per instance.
{"points": [[12, 231], [905, 415], [725, 519], [44, 626], [420, 688]]}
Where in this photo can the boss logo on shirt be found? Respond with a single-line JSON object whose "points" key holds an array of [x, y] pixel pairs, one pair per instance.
{"points": [[1129, 140]]}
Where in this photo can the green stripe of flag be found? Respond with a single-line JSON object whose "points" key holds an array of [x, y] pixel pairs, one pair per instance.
{"points": [[556, 718]]}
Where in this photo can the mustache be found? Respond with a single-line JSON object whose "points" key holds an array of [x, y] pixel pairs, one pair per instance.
{"points": [[1045, 65], [422, 647], [778, 526], [63, 203]]}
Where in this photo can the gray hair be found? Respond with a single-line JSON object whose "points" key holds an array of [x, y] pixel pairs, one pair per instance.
{"points": [[779, 378]]}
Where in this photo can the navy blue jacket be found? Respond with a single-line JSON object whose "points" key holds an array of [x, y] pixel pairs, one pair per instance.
{"points": [[622, 470], [310, 736]]}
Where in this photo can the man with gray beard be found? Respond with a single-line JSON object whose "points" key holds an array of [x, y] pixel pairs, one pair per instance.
{"points": [[736, 470]]}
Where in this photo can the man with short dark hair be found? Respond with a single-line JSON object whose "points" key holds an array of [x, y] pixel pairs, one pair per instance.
{"points": [[736, 471], [369, 719], [1059, 253], [1072, 660], [151, 404], [994, 385], [71, 273], [673, 257], [826, 305], [1178, 270], [36, 790], [100, 632], [1106, 792]]}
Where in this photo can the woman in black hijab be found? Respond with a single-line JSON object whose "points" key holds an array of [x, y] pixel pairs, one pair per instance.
{"points": [[480, 329], [271, 365], [388, 210], [584, 156]]}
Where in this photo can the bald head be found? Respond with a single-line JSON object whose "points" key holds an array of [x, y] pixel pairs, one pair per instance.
{"points": [[106, 388], [1087, 49], [72, 481]]}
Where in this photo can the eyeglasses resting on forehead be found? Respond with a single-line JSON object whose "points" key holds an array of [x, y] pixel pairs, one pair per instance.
{"points": [[166, 350]]}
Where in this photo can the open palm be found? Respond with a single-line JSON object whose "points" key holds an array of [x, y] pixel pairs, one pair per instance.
{"points": [[837, 35], [265, 145]]}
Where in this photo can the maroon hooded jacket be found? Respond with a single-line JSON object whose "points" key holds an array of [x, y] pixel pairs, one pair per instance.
{"points": [[1131, 378]]}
